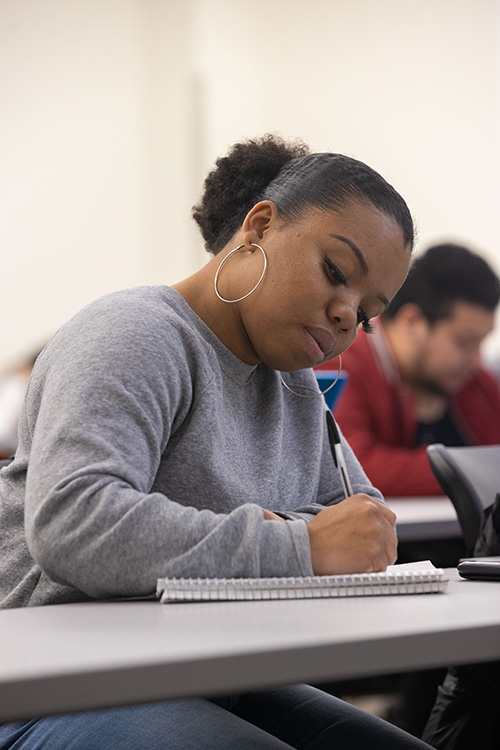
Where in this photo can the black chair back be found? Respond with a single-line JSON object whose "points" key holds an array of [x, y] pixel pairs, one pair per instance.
{"points": [[470, 476]]}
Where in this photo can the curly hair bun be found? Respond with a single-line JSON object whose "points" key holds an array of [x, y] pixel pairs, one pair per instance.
{"points": [[237, 183], [295, 180]]}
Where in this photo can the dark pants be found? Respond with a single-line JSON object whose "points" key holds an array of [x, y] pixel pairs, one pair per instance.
{"points": [[298, 716]]}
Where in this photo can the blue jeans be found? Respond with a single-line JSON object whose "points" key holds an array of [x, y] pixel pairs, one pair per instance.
{"points": [[298, 716]]}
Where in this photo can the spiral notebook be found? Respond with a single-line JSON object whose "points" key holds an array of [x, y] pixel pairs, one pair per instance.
{"points": [[412, 578]]}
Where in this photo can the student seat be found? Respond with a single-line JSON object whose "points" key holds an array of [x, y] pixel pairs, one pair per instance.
{"points": [[470, 476]]}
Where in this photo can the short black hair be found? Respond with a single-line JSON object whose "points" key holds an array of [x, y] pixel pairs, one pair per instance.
{"points": [[269, 168], [444, 275]]}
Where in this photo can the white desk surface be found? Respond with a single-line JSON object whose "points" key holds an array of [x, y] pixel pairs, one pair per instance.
{"points": [[82, 656], [424, 518]]}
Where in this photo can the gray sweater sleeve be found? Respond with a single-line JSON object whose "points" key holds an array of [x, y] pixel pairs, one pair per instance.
{"points": [[99, 421]]}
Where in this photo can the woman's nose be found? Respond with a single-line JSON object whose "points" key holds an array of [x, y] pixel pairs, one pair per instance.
{"points": [[344, 311]]}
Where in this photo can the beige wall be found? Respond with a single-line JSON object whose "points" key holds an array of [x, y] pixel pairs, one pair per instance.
{"points": [[113, 110]]}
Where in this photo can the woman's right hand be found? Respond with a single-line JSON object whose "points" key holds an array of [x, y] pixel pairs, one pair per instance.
{"points": [[353, 536]]}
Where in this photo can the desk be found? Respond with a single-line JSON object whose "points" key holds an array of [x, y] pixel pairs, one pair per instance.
{"points": [[424, 518], [82, 656]]}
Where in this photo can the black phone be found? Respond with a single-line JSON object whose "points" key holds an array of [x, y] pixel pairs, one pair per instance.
{"points": [[480, 568]]}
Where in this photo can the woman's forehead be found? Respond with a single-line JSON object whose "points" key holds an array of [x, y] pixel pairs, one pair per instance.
{"points": [[358, 222]]}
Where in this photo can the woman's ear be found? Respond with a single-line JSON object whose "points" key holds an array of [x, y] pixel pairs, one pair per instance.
{"points": [[258, 221]]}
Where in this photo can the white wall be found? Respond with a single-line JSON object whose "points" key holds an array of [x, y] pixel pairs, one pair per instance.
{"points": [[410, 86], [111, 111], [94, 143]]}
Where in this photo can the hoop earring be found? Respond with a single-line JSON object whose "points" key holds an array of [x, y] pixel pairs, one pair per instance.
{"points": [[315, 393], [251, 290]]}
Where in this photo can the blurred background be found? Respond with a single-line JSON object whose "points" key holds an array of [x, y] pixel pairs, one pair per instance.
{"points": [[112, 112]]}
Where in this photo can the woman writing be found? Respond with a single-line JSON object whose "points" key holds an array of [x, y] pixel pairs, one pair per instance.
{"points": [[172, 432]]}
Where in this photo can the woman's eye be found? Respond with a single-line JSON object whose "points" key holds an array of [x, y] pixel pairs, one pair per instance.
{"points": [[364, 321], [334, 273]]}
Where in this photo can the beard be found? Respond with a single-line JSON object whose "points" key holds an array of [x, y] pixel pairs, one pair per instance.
{"points": [[440, 386], [433, 386]]}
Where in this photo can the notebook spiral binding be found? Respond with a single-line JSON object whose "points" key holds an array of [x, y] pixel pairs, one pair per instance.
{"points": [[306, 587]]}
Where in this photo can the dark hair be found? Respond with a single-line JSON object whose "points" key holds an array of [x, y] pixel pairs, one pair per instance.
{"points": [[295, 180], [446, 274]]}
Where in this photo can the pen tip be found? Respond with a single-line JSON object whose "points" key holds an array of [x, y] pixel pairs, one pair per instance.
{"points": [[332, 428]]}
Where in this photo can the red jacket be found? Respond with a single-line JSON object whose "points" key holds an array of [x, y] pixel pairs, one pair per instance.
{"points": [[377, 416]]}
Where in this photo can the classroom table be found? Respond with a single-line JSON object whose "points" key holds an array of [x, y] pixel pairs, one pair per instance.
{"points": [[424, 518], [69, 657]]}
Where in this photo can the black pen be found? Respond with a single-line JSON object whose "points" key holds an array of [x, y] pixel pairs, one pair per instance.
{"points": [[337, 453]]}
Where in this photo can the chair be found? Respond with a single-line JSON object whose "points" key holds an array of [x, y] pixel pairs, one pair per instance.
{"points": [[470, 476], [467, 704], [325, 379]]}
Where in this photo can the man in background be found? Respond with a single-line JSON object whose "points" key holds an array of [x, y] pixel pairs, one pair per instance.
{"points": [[418, 379]]}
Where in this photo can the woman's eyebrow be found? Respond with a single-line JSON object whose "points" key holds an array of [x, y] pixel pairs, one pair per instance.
{"points": [[362, 262], [357, 252]]}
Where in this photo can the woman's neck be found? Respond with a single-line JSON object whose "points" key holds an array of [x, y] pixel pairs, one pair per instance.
{"points": [[222, 318]]}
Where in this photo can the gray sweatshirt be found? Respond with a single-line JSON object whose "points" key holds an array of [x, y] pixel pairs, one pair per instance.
{"points": [[147, 449]]}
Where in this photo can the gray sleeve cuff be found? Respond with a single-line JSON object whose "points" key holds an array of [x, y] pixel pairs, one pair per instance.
{"points": [[285, 549]]}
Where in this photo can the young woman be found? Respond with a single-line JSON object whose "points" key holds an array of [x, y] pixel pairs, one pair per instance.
{"points": [[172, 431]]}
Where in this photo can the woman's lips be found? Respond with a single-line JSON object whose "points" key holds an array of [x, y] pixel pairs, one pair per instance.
{"points": [[323, 339]]}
